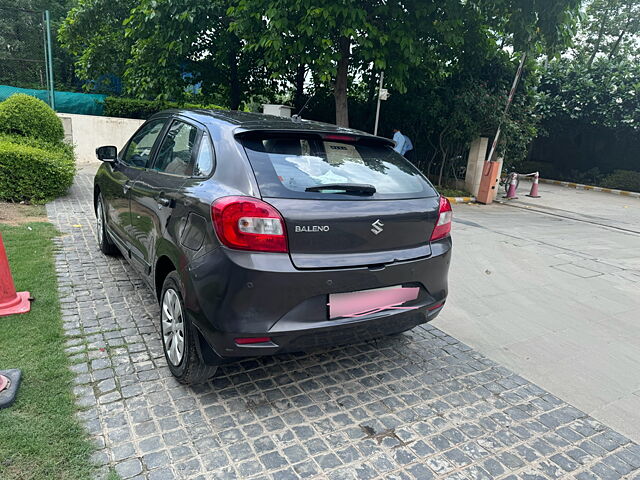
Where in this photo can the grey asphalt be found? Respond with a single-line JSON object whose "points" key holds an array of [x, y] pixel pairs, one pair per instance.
{"points": [[550, 288]]}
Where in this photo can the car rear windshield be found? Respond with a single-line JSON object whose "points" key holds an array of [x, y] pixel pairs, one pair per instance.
{"points": [[294, 166]]}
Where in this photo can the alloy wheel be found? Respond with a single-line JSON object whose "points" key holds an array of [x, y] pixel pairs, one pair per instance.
{"points": [[173, 326]]}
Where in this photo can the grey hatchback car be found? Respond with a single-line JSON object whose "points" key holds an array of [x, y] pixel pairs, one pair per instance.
{"points": [[262, 235]]}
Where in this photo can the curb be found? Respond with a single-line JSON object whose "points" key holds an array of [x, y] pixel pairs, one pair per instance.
{"points": [[580, 186], [455, 200]]}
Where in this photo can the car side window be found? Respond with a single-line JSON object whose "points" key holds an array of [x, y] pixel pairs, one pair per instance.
{"points": [[139, 149], [205, 162], [176, 151]]}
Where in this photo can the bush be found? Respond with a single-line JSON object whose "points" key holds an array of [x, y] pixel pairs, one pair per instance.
{"points": [[143, 109], [28, 116], [33, 171], [623, 180]]}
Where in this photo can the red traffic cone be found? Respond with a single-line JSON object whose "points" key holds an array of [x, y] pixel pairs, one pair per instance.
{"points": [[10, 301], [513, 185], [534, 187]]}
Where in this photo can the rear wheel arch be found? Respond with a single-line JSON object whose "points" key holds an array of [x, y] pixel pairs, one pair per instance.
{"points": [[164, 266]]}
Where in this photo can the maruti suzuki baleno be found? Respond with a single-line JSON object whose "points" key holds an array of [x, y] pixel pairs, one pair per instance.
{"points": [[262, 234]]}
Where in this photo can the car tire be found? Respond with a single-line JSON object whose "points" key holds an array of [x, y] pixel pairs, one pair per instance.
{"points": [[179, 337], [104, 240]]}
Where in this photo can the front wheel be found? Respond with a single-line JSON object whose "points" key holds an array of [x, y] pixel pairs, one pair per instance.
{"points": [[104, 241], [178, 339]]}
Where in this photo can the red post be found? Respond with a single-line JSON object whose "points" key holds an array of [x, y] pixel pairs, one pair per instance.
{"points": [[10, 301]]}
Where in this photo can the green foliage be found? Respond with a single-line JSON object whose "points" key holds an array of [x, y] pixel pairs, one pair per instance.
{"points": [[143, 109], [28, 116], [604, 93], [590, 103], [22, 46], [32, 171], [610, 30], [92, 33], [178, 43], [623, 180]]}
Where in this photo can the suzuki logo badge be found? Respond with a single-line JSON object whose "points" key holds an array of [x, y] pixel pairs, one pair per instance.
{"points": [[377, 227]]}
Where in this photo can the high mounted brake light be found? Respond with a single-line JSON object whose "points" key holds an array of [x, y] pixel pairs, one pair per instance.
{"points": [[443, 225], [246, 223], [340, 138]]}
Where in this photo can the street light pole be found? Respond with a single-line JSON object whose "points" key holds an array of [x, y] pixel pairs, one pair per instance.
{"points": [[375, 130]]}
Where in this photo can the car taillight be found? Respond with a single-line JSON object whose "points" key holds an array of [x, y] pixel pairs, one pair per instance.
{"points": [[246, 223], [445, 216]]}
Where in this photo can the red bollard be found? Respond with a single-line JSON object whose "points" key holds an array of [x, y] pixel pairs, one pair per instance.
{"points": [[534, 187], [10, 301], [511, 193]]}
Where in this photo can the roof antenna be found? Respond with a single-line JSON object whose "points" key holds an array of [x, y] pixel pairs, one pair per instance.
{"points": [[296, 117]]}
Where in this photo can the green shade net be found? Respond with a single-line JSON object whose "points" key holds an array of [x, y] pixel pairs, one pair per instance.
{"points": [[66, 102]]}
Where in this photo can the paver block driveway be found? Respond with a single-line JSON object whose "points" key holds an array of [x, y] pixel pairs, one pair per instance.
{"points": [[419, 405]]}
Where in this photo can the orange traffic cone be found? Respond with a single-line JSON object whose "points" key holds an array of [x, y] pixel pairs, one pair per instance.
{"points": [[10, 301], [534, 187], [513, 185]]}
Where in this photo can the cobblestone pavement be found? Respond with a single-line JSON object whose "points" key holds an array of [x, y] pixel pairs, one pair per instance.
{"points": [[420, 405]]}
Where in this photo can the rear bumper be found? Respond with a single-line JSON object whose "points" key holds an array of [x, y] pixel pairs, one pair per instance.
{"points": [[233, 294]]}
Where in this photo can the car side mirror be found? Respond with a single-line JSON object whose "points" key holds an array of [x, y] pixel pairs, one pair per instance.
{"points": [[107, 153]]}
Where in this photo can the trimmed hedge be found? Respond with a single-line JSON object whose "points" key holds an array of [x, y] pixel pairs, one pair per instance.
{"points": [[143, 109], [33, 171], [28, 116], [622, 180]]}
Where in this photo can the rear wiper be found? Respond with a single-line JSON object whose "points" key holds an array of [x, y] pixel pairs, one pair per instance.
{"points": [[357, 188]]}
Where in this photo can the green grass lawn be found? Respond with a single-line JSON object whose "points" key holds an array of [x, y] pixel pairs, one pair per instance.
{"points": [[40, 437]]}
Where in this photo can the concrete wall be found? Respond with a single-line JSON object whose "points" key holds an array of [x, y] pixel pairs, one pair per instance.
{"points": [[88, 132]]}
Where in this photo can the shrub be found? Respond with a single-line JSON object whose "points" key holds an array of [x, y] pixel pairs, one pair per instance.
{"points": [[28, 116], [32, 173], [143, 109], [623, 180]]}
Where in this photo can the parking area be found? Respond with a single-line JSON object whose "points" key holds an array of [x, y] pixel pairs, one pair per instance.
{"points": [[550, 288], [461, 399]]}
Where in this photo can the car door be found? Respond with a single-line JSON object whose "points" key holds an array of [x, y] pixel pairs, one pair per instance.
{"points": [[131, 163], [156, 200]]}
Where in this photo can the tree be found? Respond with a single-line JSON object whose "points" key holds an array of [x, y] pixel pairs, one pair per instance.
{"points": [[93, 33], [21, 47], [343, 41], [609, 29], [175, 43]]}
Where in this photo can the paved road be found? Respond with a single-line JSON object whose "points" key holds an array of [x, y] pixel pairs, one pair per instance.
{"points": [[421, 405], [554, 294]]}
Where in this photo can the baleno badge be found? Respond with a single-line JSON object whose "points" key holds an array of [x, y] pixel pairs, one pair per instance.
{"points": [[312, 228], [377, 227]]}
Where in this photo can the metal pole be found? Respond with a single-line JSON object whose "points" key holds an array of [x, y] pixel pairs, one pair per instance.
{"points": [[46, 63], [512, 93], [52, 100], [375, 130]]}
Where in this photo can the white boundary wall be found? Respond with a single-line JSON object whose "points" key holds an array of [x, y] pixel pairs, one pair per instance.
{"points": [[88, 132]]}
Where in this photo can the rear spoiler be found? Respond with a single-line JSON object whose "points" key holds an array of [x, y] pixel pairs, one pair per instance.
{"points": [[353, 136]]}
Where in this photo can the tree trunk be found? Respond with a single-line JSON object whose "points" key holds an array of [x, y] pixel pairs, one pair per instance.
{"points": [[596, 47], [298, 97], [341, 85], [234, 80], [616, 45]]}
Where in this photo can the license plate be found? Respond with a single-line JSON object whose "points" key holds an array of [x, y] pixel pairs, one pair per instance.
{"points": [[367, 302]]}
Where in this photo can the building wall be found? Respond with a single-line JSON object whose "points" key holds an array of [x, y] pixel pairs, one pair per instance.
{"points": [[87, 132]]}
